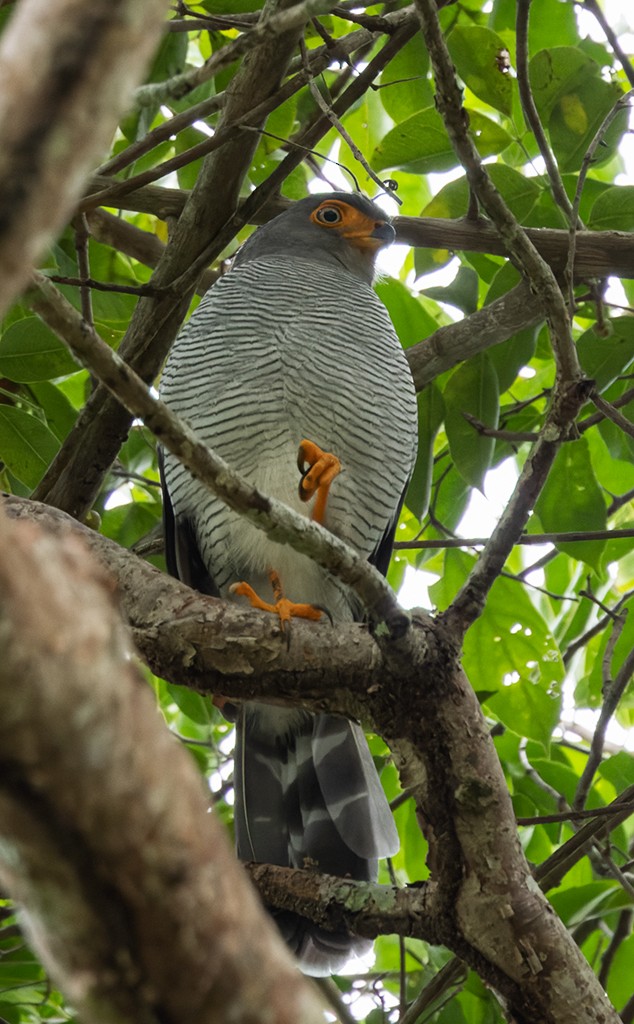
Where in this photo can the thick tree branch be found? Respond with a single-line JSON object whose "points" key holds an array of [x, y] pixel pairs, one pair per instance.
{"points": [[597, 254], [343, 904], [76, 474], [129, 890], [219, 647], [490, 325], [485, 906], [68, 67]]}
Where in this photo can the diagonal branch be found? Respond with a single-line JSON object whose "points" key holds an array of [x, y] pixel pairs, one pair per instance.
{"points": [[519, 247], [267, 29], [570, 390], [74, 478], [279, 522], [68, 68]]}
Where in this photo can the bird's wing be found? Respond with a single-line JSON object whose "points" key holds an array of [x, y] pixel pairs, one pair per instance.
{"points": [[182, 557]]}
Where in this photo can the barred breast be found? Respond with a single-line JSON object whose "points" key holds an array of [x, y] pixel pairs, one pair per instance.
{"points": [[277, 351]]}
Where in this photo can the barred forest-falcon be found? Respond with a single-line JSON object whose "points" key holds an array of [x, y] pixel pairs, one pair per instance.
{"points": [[291, 370]]}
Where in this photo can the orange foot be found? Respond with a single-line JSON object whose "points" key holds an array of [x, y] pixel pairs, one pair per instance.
{"points": [[323, 467], [283, 608]]}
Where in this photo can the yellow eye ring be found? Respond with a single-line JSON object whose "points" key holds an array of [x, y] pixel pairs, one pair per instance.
{"points": [[328, 215]]}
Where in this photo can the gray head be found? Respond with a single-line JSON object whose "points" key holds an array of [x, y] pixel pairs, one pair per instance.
{"points": [[338, 228]]}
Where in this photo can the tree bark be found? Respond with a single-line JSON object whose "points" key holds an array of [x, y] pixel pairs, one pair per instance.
{"points": [[484, 904], [129, 891], [68, 67]]}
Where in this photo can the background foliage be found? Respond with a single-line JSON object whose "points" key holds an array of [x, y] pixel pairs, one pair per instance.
{"points": [[554, 645]]}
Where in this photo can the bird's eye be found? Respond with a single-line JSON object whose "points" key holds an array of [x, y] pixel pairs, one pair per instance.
{"points": [[328, 215]]}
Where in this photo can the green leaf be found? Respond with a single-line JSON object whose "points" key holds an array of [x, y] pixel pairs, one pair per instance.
{"points": [[472, 389], [420, 143], [451, 496], [605, 358], [613, 210], [456, 567], [577, 117], [572, 100], [573, 501], [431, 410], [27, 446], [411, 320], [185, 140], [475, 52], [461, 293], [413, 850], [583, 902], [29, 351], [192, 704], [512, 650], [527, 709], [619, 985], [619, 770], [556, 72], [59, 412], [520, 193], [404, 87]]}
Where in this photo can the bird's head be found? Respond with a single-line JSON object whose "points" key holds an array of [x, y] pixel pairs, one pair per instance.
{"points": [[339, 228]]}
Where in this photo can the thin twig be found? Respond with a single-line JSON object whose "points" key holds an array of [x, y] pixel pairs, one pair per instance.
{"points": [[530, 112], [527, 539], [572, 815], [82, 235], [620, 104], [613, 692], [610, 35], [336, 123], [611, 413], [451, 976], [103, 286]]}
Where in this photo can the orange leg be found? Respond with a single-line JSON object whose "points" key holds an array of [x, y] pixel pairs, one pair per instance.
{"points": [[323, 467], [283, 608]]}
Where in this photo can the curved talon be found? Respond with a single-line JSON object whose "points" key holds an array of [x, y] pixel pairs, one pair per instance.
{"points": [[283, 608], [325, 611], [318, 470]]}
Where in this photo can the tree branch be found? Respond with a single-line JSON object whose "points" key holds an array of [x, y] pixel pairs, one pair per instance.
{"points": [[340, 904], [268, 514], [76, 474], [519, 247], [130, 893], [488, 326], [68, 67], [597, 254]]}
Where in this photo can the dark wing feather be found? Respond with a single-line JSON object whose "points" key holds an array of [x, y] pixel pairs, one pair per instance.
{"points": [[382, 553], [182, 556]]}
